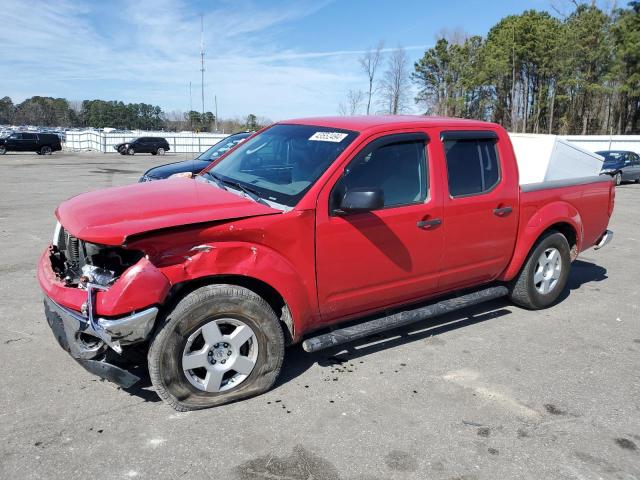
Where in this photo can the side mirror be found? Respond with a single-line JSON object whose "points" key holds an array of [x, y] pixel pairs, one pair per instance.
{"points": [[361, 200]]}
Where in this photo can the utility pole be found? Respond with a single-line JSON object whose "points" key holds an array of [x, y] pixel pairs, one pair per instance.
{"points": [[202, 59], [215, 119], [190, 105]]}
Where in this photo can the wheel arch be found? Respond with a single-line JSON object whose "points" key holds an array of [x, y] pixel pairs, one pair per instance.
{"points": [[272, 296], [559, 216]]}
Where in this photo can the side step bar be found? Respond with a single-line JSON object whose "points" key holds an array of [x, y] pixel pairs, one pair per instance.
{"points": [[400, 319]]}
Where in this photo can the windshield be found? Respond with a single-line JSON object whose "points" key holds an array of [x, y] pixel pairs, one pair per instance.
{"points": [[223, 146], [282, 163], [612, 158]]}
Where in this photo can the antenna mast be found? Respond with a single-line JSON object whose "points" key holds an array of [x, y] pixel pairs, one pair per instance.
{"points": [[215, 119], [190, 106], [202, 60]]}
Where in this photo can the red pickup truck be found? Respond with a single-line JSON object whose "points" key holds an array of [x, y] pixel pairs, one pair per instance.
{"points": [[307, 224]]}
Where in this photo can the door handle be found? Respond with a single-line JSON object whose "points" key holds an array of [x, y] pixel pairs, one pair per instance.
{"points": [[502, 211], [434, 222]]}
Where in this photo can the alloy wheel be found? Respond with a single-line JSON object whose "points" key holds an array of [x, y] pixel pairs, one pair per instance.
{"points": [[220, 355], [548, 270]]}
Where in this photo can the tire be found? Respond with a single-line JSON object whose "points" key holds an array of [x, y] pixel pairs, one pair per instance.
{"points": [[525, 291], [160, 151], [188, 323], [618, 178], [3, 150], [46, 150], [131, 151]]}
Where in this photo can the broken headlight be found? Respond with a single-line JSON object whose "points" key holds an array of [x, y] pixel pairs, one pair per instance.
{"points": [[77, 262]]}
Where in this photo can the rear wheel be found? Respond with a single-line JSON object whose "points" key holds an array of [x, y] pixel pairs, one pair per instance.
{"points": [[46, 150], [545, 273], [220, 343]]}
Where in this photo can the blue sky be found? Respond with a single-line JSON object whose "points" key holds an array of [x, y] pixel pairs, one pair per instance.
{"points": [[277, 59]]}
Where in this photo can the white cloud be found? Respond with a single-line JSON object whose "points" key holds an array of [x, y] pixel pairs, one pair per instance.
{"points": [[147, 51]]}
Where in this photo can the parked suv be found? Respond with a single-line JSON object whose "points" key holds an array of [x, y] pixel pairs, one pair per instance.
{"points": [[152, 145], [199, 163], [42, 143], [623, 166]]}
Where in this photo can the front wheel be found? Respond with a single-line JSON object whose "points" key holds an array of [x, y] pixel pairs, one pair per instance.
{"points": [[618, 178], [46, 150], [131, 151], [160, 151], [545, 273], [3, 150], [220, 343]]}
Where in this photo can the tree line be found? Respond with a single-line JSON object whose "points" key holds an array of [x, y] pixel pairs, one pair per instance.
{"points": [[569, 73], [59, 112]]}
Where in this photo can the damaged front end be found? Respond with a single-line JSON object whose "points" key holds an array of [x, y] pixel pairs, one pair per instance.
{"points": [[81, 281]]}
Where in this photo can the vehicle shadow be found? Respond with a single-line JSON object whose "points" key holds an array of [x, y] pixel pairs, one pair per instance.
{"points": [[297, 361], [583, 272], [143, 389]]}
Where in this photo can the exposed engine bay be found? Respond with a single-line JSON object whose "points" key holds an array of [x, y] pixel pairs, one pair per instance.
{"points": [[78, 263]]}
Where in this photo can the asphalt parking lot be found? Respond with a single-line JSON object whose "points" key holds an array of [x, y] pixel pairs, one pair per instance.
{"points": [[493, 392]]}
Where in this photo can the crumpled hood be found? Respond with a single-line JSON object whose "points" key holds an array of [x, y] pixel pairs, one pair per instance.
{"points": [[111, 215]]}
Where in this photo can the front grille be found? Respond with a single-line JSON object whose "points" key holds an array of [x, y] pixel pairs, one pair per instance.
{"points": [[73, 250], [71, 246]]}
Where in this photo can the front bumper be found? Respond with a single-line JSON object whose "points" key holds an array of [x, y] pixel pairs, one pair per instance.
{"points": [[84, 337], [88, 339], [93, 325]]}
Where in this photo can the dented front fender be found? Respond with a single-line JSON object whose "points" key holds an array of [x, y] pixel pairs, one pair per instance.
{"points": [[252, 261]]}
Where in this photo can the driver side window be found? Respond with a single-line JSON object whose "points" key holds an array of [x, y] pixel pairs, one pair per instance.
{"points": [[398, 168]]}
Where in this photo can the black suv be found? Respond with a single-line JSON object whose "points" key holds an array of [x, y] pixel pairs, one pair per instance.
{"points": [[42, 143], [152, 145]]}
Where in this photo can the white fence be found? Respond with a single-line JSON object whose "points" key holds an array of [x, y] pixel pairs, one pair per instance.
{"points": [[187, 142], [595, 143]]}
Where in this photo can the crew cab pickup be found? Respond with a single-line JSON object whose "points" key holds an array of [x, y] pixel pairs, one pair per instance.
{"points": [[307, 224]]}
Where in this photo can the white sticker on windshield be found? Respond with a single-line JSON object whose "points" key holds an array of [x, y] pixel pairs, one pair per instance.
{"points": [[336, 137]]}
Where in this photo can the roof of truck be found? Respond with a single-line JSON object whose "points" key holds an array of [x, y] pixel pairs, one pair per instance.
{"points": [[365, 122]]}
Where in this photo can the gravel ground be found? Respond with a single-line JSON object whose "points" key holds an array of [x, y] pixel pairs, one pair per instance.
{"points": [[493, 392]]}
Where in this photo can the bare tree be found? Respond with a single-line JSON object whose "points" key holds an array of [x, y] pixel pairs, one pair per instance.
{"points": [[456, 36], [396, 84], [369, 63], [352, 104]]}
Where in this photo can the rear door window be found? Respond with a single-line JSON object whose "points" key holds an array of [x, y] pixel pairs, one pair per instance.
{"points": [[473, 165]]}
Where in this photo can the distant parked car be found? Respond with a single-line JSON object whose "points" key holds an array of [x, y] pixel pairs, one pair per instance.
{"points": [[623, 166], [152, 145], [197, 164], [42, 143]]}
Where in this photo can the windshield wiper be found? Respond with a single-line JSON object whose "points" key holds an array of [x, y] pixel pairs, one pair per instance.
{"points": [[249, 192], [217, 180]]}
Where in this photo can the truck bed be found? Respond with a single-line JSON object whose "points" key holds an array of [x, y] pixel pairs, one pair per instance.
{"points": [[590, 197]]}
